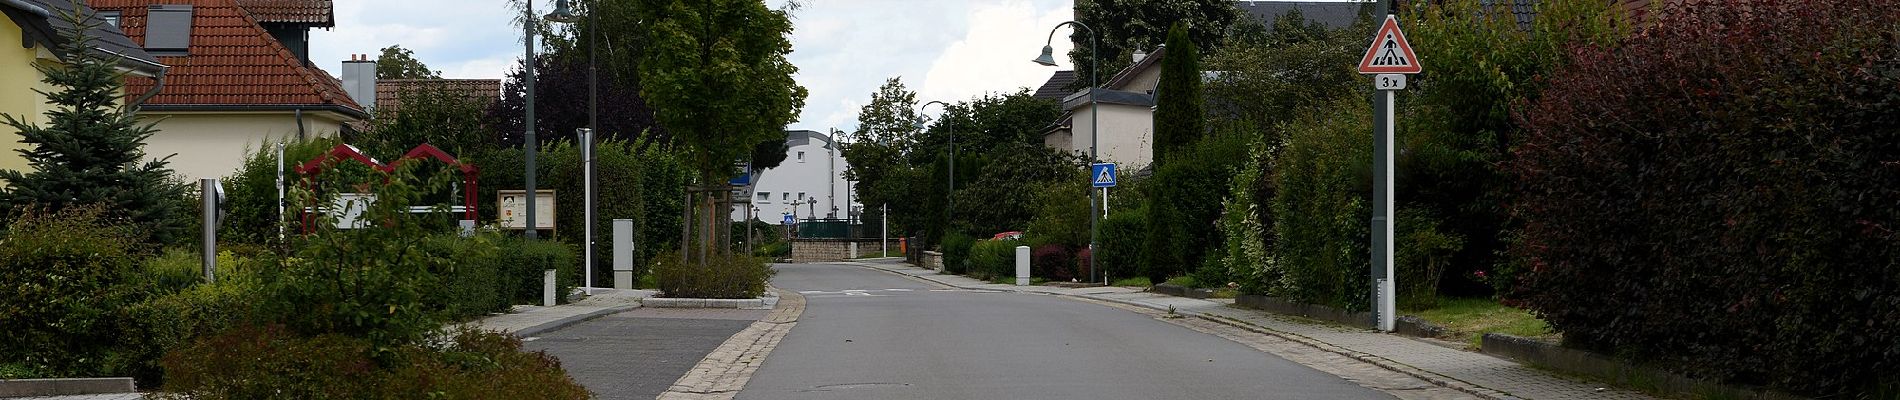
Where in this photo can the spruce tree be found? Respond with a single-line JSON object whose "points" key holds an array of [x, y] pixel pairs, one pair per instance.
{"points": [[90, 150]]}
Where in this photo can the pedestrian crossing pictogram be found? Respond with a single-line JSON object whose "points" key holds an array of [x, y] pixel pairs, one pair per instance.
{"points": [[1103, 174], [1390, 53]]}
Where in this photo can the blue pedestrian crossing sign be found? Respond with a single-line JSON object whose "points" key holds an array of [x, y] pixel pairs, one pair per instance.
{"points": [[1102, 174], [789, 220]]}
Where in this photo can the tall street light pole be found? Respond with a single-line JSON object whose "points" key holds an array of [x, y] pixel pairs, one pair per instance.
{"points": [[564, 14], [1048, 59], [951, 198], [527, 137]]}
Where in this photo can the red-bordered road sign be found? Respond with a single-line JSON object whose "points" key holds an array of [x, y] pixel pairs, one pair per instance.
{"points": [[1390, 53]]}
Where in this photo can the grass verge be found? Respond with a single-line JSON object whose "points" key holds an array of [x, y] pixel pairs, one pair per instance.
{"points": [[1469, 319]]}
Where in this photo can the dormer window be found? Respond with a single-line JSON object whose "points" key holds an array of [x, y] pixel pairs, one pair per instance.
{"points": [[168, 29], [111, 17]]}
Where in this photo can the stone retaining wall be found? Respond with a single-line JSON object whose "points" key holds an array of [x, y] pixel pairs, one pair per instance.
{"points": [[830, 250]]}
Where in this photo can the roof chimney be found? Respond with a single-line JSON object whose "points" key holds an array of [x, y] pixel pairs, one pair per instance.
{"points": [[359, 80], [1139, 55]]}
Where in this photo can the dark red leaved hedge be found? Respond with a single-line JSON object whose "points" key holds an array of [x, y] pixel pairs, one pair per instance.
{"points": [[1719, 194]]}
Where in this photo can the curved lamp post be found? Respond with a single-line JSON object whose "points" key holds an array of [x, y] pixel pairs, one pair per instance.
{"points": [[1048, 59], [951, 198]]}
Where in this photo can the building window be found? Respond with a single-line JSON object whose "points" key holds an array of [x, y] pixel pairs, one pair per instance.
{"points": [[786, 196], [168, 29], [111, 17], [765, 197], [801, 158], [801, 196]]}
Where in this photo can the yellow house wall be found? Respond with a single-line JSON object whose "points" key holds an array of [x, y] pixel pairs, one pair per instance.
{"points": [[213, 145], [1127, 134], [18, 79]]}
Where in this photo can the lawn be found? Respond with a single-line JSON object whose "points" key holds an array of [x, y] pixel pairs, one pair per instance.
{"points": [[1470, 318]]}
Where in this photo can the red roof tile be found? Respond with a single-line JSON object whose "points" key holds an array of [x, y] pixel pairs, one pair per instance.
{"points": [[389, 92], [232, 62], [318, 13]]}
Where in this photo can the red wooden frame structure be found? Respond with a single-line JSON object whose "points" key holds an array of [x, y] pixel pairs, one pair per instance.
{"points": [[470, 174]]}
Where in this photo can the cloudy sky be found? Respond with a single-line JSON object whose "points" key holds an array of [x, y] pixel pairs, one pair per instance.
{"points": [[946, 50]]}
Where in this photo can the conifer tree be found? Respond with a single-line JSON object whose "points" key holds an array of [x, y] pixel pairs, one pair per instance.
{"points": [[90, 148], [1178, 116]]}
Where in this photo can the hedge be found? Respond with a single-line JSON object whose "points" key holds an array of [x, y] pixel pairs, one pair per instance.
{"points": [[1717, 195]]}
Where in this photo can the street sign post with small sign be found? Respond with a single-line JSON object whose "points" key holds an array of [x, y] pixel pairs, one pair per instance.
{"points": [[1390, 57]]}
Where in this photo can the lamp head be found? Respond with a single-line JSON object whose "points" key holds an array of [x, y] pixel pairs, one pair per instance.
{"points": [[562, 13], [1048, 57]]}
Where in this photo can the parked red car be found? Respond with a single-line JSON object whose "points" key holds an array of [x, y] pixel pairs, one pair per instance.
{"points": [[1011, 235]]}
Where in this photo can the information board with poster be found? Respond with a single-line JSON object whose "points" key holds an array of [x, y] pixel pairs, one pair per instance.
{"points": [[512, 209]]}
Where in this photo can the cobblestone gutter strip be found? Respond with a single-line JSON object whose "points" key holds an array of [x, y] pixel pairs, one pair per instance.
{"points": [[1400, 384], [1381, 362], [724, 372]]}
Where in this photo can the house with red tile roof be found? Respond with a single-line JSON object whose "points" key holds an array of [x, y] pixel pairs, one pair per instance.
{"points": [[232, 84]]}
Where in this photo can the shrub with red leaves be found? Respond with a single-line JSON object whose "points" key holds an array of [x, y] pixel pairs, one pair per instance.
{"points": [[1052, 262], [1717, 194]]}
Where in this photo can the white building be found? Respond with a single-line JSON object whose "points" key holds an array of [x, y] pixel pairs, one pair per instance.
{"points": [[809, 182]]}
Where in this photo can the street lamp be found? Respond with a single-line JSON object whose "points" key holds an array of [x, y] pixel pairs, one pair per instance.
{"points": [[951, 198], [564, 14], [527, 136], [1048, 59]]}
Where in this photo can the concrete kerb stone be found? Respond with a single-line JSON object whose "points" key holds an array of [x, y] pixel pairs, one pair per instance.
{"points": [[563, 323], [724, 372], [64, 386], [1381, 362]]}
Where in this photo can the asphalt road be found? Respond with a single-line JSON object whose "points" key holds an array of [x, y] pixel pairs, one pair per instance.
{"points": [[869, 334]]}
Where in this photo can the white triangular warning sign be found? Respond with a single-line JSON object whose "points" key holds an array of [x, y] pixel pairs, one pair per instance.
{"points": [[1390, 53], [1106, 176]]}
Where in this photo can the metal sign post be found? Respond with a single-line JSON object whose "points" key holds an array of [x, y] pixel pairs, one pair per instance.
{"points": [[1101, 175], [1390, 57]]}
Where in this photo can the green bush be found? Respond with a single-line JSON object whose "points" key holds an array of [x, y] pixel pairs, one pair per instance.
{"points": [[1123, 237], [174, 320], [471, 283], [522, 262], [66, 283], [1185, 203], [956, 252], [723, 276], [1424, 253], [992, 259], [773, 250], [1321, 216], [251, 191], [272, 362]]}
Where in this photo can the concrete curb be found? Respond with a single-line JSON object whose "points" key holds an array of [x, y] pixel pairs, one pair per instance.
{"points": [[725, 371], [663, 302], [570, 321], [64, 386], [1381, 362]]}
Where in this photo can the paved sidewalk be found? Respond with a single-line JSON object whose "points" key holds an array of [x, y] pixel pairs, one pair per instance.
{"points": [[1472, 372], [525, 321]]}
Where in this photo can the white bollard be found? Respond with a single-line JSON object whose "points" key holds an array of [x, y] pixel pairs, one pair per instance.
{"points": [[1022, 265], [623, 253], [547, 288], [854, 249]]}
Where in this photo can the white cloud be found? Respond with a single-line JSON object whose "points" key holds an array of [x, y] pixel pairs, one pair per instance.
{"points": [[948, 50], [944, 50], [463, 39], [994, 56]]}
